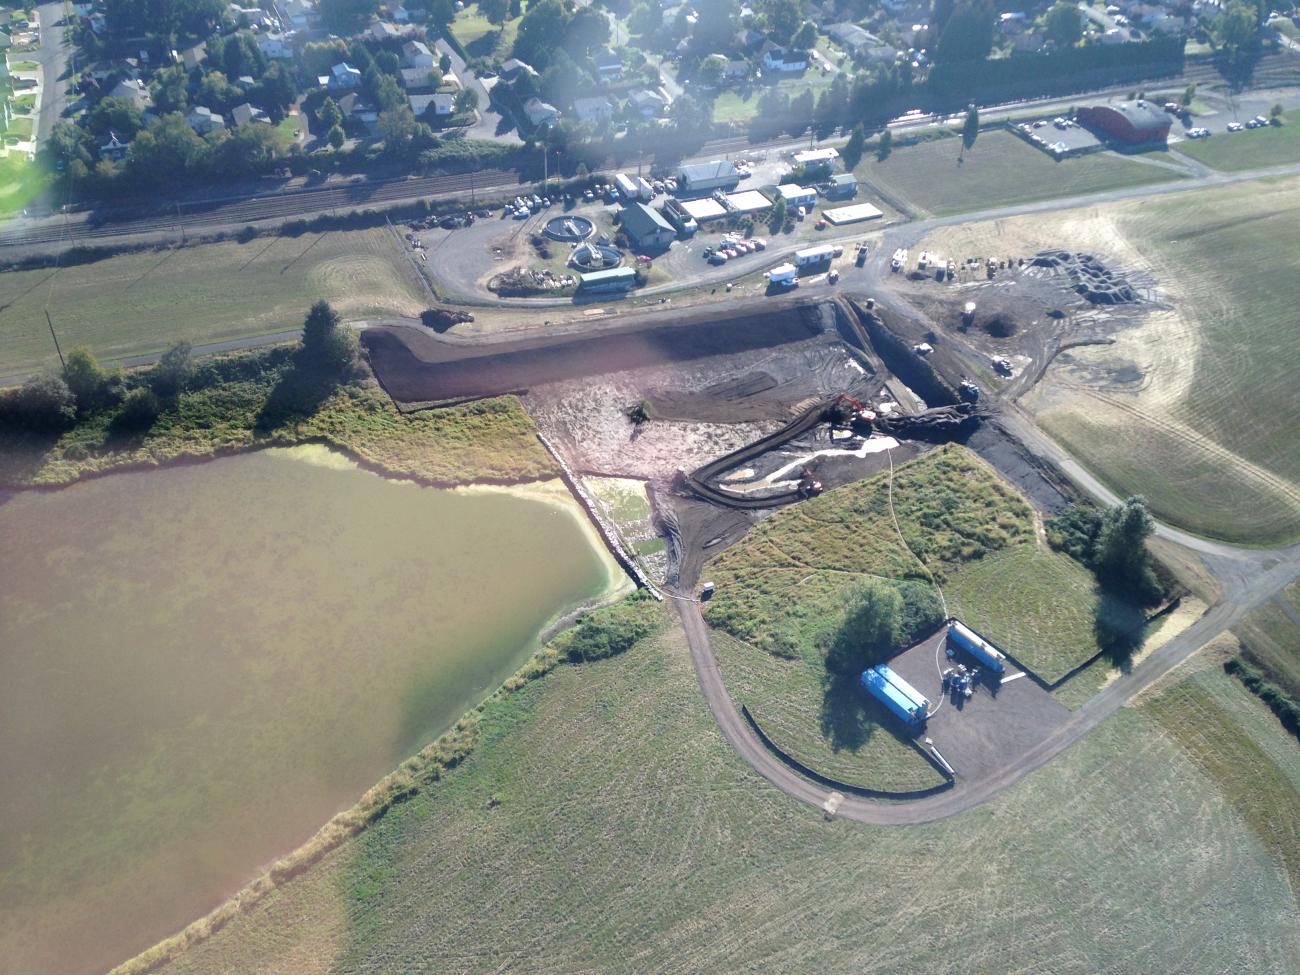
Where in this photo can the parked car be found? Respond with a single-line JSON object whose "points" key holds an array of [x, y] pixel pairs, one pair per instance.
{"points": [[1235, 126]]}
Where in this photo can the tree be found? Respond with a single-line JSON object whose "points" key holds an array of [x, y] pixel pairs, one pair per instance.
{"points": [[711, 69], [169, 376], [466, 101], [805, 37], [970, 129], [398, 127], [1275, 113], [44, 403], [329, 114], [646, 18], [496, 11], [118, 115], [140, 408], [347, 16], [869, 629], [885, 146], [1237, 28], [783, 18], [541, 32], [85, 378], [336, 137], [968, 34], [327, 345], [1063, 24], [1120, 552], [853, 149], [441, 14], [1188, 94], [716, 23], [777, 220]]}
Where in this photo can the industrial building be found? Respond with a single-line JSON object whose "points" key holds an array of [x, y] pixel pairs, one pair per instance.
{"points": [[817, 159], [704, 209], [747, 201], [646, 227], [902, 699], [797, 196], [974, 644], [612, 280], [720, 174], [843, 186], [822, 253], [853, 213], [1135, 123]]}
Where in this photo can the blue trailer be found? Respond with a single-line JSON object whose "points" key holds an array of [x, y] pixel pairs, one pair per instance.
{"points": [[904, 700], [974, 644]]}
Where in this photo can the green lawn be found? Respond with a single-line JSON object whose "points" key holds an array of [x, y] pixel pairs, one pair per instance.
{"points": [[23, 65], [601, 823], [20, 126], [143, 302], [1040, 606], [741, 105], [1272, 145], [1000, 169], [1270, 639], [479, 36], [20, 182], [1216, 451]]}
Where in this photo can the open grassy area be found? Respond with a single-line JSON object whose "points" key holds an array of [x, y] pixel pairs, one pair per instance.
{"points": [[781, 594], [491, 440], [479, 36], [1249, 149], [741, 104], [1000, 169], [20, 182], [1270, 639], [1041, 606], [601, 823], [142, 302]]}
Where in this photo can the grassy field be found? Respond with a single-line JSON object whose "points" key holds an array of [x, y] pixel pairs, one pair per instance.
{"points": [[601, 823], [492, 440], [142, 302], [20, 181], [1248, 149], [741, 105], [1040, 606], [1270, 639], [479, 36], [1000, 169], [781, 594]]}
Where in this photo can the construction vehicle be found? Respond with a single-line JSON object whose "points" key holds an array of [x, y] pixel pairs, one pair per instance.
{"points": [[809, 486], [969, 391], [898, 260]]}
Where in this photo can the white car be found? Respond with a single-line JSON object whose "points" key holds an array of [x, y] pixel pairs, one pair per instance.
{"points": [[1235, 126]]}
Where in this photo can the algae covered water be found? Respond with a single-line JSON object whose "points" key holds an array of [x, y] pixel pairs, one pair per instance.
{"points": [[200, 665]]}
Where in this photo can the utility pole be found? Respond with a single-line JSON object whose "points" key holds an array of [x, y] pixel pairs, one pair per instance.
{"points": [[180, 221], [56, 339]]}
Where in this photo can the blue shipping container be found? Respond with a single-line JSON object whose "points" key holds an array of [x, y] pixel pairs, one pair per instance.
{"points": [[895, 693], [976, 645]]}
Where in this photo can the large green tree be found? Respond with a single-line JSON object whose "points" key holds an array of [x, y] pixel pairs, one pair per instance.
{"points": [[1063, 23], [968, 34]]}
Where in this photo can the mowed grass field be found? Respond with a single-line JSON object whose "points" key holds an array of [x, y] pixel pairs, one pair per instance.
{"points": [[1209, 436], [1249, 149], [138, 303], [603, 824], [1270, 639], [781, 593], [1000, 169]]}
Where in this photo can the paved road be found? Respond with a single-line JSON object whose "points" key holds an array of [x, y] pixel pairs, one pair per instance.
{"points": [[491, 123], [53, 58]]}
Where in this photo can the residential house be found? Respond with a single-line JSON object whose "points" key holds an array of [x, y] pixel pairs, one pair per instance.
{"points": [[358, 108], [399, 13], [748, 39], [275, 46], [413, 79], [194, 56], [382, 30], [735, 70], [539, 112], [854, 39], [246, 113], [592, 109], [512, 68], [416, 54], [301, 13], [344, 77], [442, 104], [609, 66], [650, 104], [646, 227], [778, 58], [114, 148], [204, 120], [134, 91]]}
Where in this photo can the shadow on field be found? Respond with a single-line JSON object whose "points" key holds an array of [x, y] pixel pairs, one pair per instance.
{"points": [[1119, 625], [299, 392]]}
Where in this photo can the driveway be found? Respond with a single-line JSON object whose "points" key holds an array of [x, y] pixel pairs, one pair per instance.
{"points": [[491, 123]]}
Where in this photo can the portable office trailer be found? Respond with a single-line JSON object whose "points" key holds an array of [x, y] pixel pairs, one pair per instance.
{"points": [[816, 255], [783, 275], [896, 694], [627, 189], [974, 644]]}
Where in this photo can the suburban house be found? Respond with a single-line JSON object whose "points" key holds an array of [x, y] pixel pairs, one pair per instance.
{"points": [[609, 66], [399, 13], [382, 30], [275, 46], [301, 13], [592, 109], [416, 54], [113, 149], [413, 79], [540, 112], [646, 227], [204, 120], [359, 108], [134, 91], [649, 103], [854, 39], [736, 70], [344, 77], [192, 57], [778, 58], [512, 68], [720, 174], [245, 113], [441, 103]]}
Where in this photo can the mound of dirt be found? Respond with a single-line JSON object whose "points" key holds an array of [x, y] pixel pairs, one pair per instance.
{"points": [[441, 319], [1091, 278]]}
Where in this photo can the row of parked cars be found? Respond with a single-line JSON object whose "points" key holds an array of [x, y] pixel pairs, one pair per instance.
{"points": [[733, 245]]}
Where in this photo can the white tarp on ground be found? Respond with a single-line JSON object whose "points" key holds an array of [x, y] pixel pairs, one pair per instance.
{"points": [[873, 445], [852, 214]]}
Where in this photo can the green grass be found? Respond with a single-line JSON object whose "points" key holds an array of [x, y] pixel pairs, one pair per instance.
{"points": [[20, 126], [492, 440], [1001, 169], [20, 182], [23, 65], [601, 823], [479, 36], [1249, 149], [1212, 446], [1270, 639], [143, 302], [786, 699], [741, 105], [1040, 606]]}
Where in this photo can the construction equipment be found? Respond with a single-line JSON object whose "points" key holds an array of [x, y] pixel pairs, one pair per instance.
{"points": [[969, 391], [809, 486]]}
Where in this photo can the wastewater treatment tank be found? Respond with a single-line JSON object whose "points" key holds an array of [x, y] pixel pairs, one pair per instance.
{"points": [[569, 229], [595, 257]]}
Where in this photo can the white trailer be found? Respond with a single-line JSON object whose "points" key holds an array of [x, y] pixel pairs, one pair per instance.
{"points": [[644, 190], [783, 276], [627, 188], [974, 644], [817, 255]]}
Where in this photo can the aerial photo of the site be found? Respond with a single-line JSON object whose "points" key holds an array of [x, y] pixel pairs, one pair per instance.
{"points": [[650, 486]]}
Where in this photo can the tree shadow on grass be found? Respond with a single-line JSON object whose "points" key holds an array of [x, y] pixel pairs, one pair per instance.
{"points": [[299, 393], [846, 718], [1119, 625]]}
